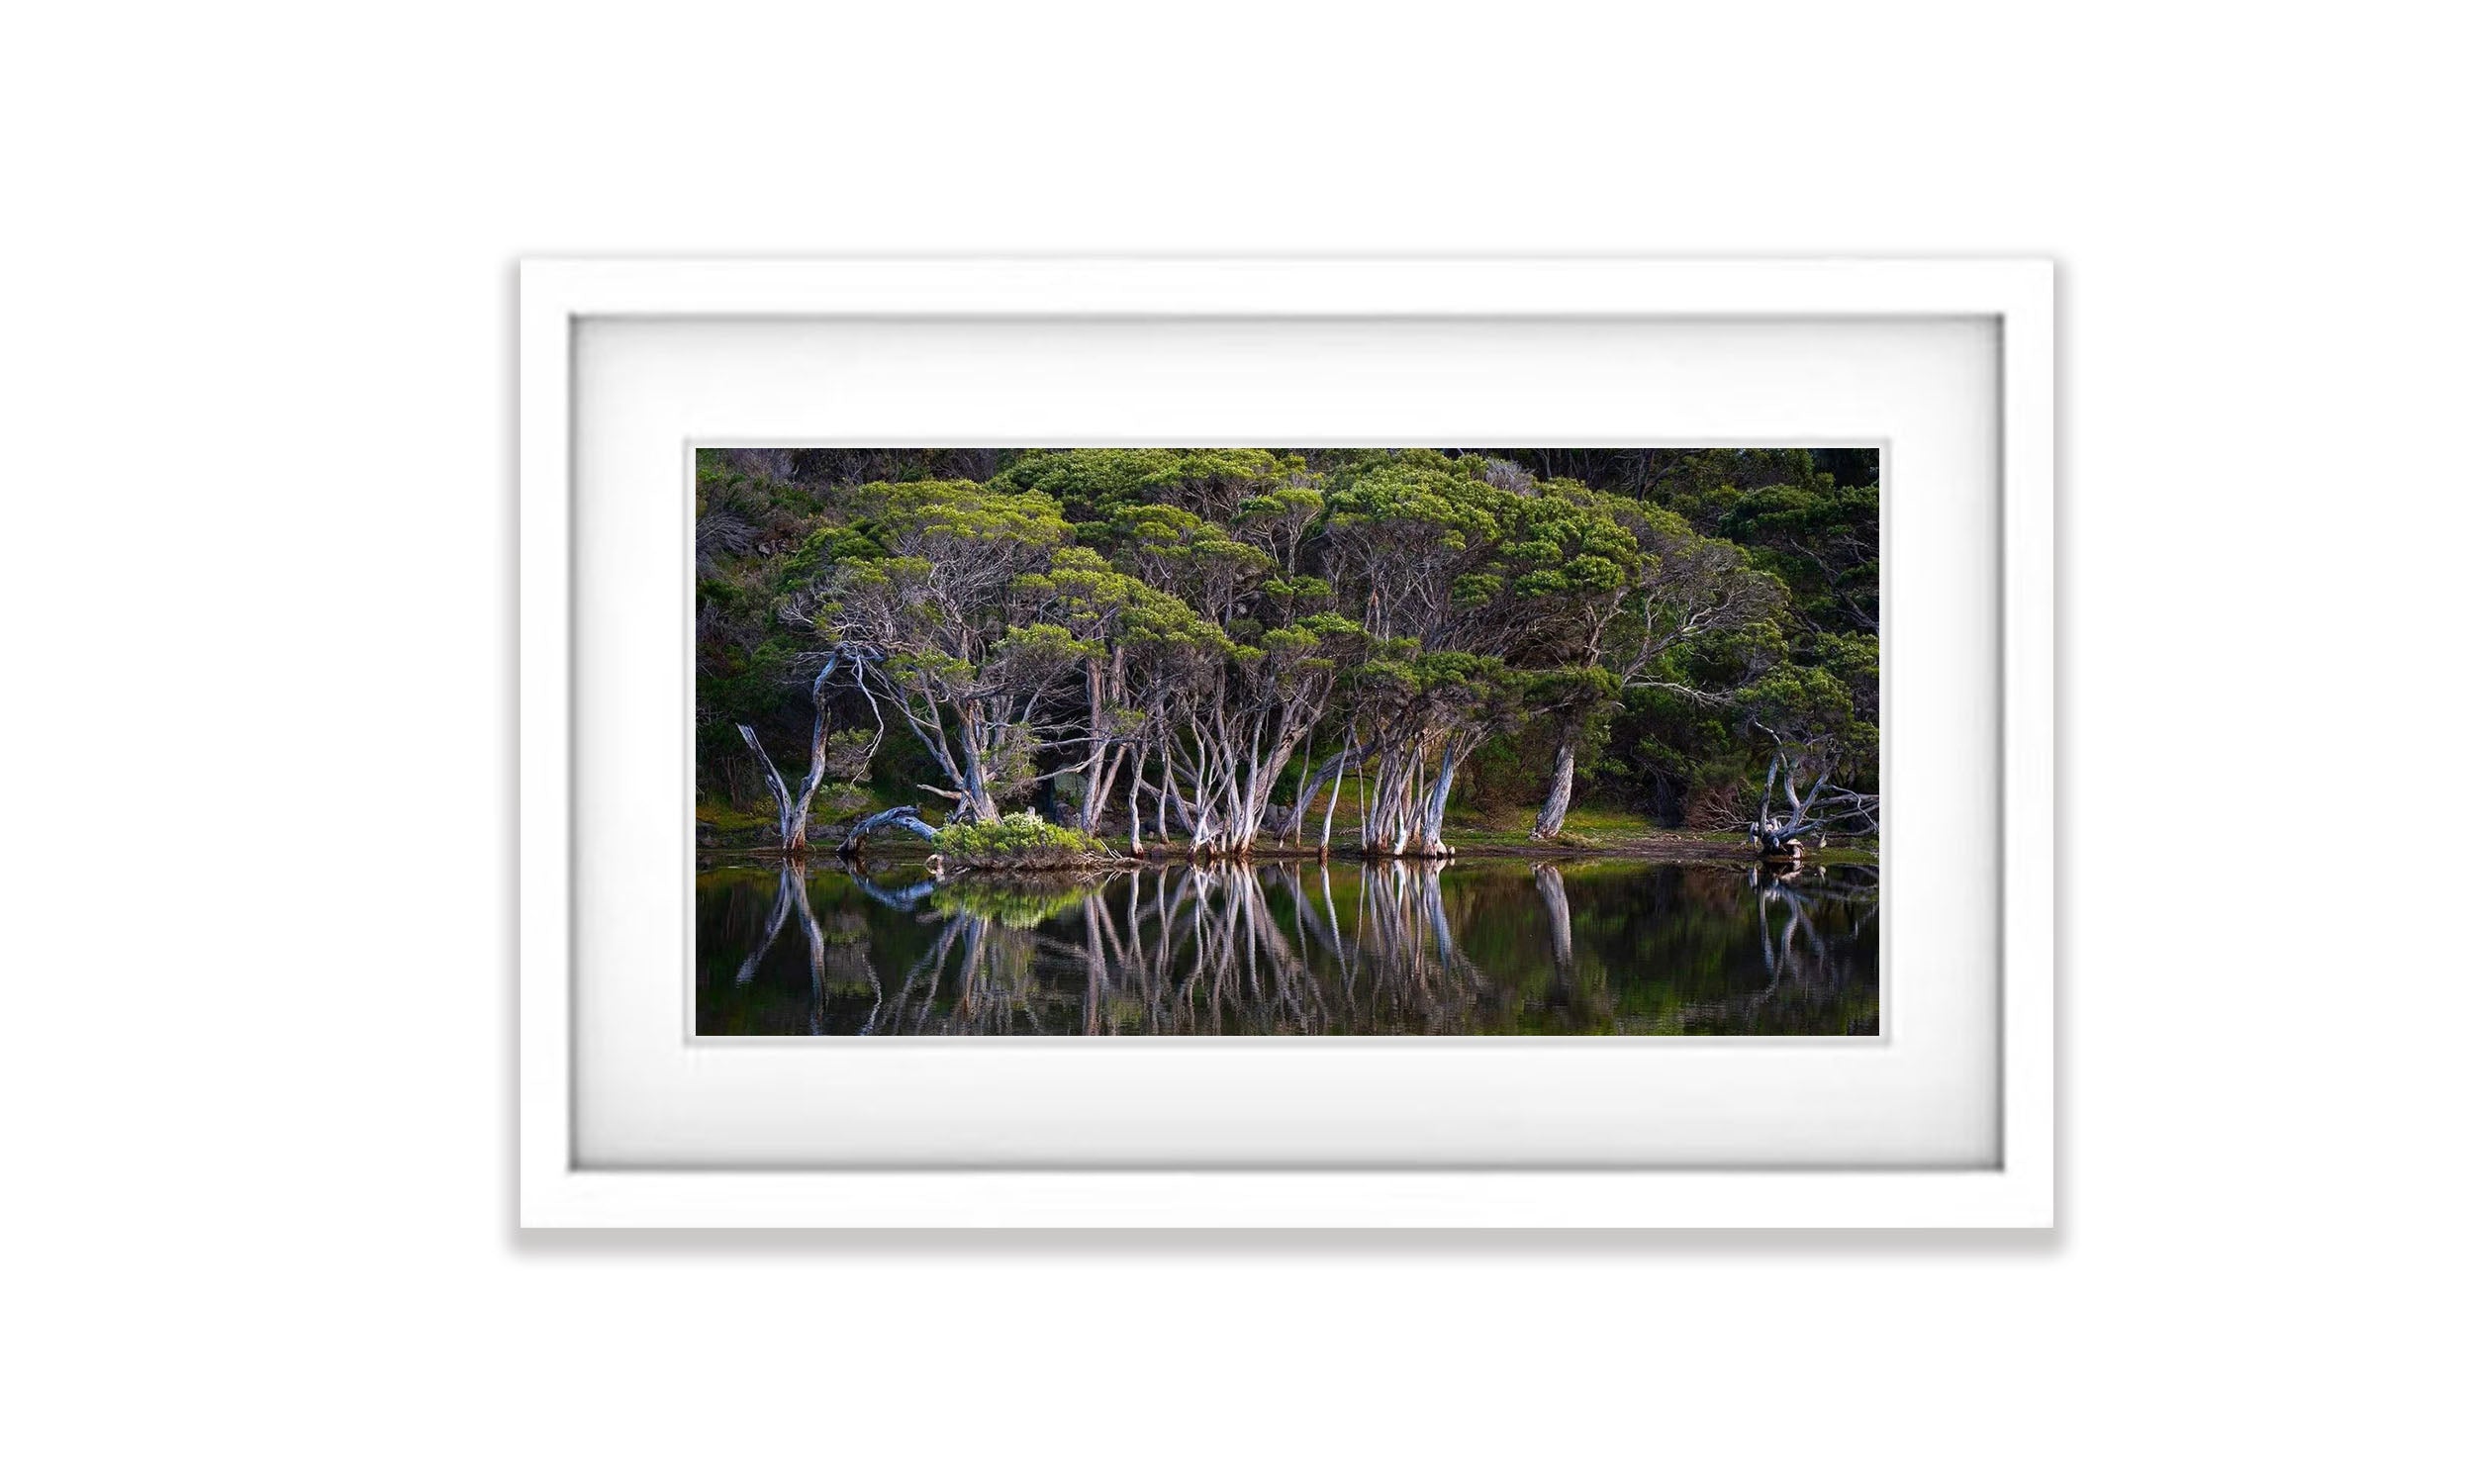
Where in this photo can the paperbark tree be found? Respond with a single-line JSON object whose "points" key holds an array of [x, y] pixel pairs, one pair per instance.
{"points": [[1679, 587], [1811, 810], [1135, 646], [1816, 720], [1163, 625], [792, 808], [1452, 570], [931, 595], [1233, 735]]}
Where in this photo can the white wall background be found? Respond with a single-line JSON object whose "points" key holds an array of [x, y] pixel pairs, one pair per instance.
{"points": [[255, 332]]}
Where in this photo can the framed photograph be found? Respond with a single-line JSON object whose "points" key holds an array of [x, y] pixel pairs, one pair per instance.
{"points": [[1287, 743]]}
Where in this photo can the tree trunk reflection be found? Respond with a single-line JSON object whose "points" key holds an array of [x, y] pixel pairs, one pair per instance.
{"points": [[1390, 947]]}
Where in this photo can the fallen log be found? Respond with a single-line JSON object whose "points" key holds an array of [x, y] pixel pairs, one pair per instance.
{"points": [[901, 817]]}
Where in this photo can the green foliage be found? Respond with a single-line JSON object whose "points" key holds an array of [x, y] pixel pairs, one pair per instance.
{"points": [[1195, 559], [928, 517], [844, 801], [827, 548], [1017, 901], [1673, 614], [1825, 543], [847, 753], [1829, 708], [1021, 837], [1095, 483]]}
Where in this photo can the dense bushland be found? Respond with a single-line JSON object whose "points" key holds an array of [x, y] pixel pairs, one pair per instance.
{"points": [[1222, 647]]}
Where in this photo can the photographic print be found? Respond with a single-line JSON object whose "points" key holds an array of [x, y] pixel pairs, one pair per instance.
{"points": [[1286, 741]]}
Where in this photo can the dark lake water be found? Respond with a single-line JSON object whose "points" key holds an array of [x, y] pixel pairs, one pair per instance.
{"points": [[1474, 948]]}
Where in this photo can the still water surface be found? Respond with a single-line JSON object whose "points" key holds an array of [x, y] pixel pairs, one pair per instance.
{"points": [[1477, 947]]}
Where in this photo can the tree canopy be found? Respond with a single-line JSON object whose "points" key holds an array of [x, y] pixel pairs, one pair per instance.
{"points": [[1203, 642]]}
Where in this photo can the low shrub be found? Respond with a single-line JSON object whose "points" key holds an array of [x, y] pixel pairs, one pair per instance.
{"points": [[1018, 839]]}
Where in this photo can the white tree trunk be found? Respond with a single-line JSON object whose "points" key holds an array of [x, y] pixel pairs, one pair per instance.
{"points": [[1782, 837], [901, 817], [792, 810], [1558, 797], [976, 807], [1549, 879], [1429, 837], [789, 809], [1333, 803]]}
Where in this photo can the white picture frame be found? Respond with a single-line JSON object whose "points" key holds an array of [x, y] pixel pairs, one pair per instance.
{"points": [[556, 1189]]}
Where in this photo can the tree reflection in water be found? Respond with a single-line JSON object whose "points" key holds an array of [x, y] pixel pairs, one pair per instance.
{"points": [[1391, 948], [1800, 957]]}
